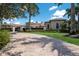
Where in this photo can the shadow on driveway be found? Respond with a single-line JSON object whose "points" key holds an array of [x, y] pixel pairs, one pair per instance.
{"points": [[56, 44]]}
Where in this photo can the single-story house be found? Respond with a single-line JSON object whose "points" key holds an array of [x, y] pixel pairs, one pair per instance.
{"points": [[54, 24], [18, 27], [35, 25]]}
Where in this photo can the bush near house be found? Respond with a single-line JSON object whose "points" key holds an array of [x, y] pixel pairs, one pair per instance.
{"points": [[4, 38]]}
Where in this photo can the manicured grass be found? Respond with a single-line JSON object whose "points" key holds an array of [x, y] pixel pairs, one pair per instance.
{"points": [[60, 36]]}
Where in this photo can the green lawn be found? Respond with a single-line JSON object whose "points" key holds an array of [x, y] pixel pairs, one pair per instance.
{"points": [[60, 36]]}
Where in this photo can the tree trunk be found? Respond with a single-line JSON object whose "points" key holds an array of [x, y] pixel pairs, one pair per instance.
{"points": [[29, 18], [73, 22], [0, 23], [78, 23], [29, 22]]}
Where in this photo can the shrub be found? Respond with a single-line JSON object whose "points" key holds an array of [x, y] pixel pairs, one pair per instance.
{"points": [[4, 38], [64, 31]]}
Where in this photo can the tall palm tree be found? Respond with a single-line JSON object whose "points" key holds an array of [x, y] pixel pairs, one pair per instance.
{"points": [[32, 9], [72, 25], [9, 11], [72, 14], [68, 12]]}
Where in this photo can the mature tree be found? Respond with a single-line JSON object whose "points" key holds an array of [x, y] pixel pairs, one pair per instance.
{"points": [[9, 11], [68, 12], [32, 9], [71, 12]]}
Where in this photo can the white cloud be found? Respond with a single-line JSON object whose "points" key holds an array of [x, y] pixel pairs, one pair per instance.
{"points": [[53, 8], [15, 19], [54, 17], [33, 21], [8, 22], [39, 21], [58, 14], [17, 23]]}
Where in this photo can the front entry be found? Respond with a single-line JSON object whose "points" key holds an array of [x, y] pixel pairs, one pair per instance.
{"points": [[57, 26]]}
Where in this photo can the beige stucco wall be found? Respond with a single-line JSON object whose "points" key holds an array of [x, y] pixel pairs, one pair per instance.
{"points": [[52, 24]]}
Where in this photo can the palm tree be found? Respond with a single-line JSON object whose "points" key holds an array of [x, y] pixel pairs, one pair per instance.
{"points": [[71, 13], [32, 9], [9, 11], [68, 12], [72, 25], [78, 23]]}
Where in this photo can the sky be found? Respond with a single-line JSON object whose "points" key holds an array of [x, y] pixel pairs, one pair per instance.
{"points": [[48, 11]]}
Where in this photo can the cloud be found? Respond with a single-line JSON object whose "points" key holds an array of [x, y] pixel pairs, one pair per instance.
{"points": [[17, 23], [15, 19], [53, 8], [6, 21], [11, 21], [33, 21], [54, 17], [58, 14]]}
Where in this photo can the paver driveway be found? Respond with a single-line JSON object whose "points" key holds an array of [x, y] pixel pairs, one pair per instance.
{"points": [[26, 44]]}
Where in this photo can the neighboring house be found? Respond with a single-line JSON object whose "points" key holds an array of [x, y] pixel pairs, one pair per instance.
{"points": [[9, 26], [54, 24], [35, 25], [6, 26]]}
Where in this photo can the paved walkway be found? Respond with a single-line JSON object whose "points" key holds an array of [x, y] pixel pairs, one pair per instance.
{"points": [[26, 44]]}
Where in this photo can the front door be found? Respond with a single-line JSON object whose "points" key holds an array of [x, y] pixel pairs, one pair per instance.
{"points": [[57, 26]]}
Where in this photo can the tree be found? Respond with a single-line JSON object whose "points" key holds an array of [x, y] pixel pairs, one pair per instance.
{"points": [[68, 12], [9, 11], [71, 13], [32, 9], [72, 25]]}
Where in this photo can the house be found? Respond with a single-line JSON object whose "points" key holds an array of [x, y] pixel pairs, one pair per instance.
{"points": [[6, 26], [35, 25], [54, 24], [10, 26], [47, 25]]}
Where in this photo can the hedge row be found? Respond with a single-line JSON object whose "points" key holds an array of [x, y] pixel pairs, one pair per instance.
{"points": [[4, 38]]}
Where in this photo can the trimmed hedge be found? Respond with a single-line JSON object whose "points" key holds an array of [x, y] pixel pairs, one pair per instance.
{"points": [[4, 38]]}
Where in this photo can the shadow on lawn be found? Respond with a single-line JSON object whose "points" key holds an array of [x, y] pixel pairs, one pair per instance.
{"points": [[56, 44]]}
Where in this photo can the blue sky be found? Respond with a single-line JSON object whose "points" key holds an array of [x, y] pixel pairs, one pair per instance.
{"points": [[47, 11]]}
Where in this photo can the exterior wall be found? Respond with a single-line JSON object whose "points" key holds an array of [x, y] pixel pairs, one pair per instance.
{"points": [[35, 25], [5, 26], [47, 25], [52, 24], [9, 27]]}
